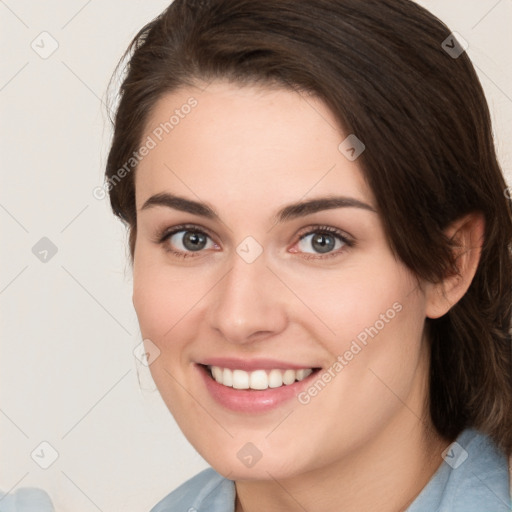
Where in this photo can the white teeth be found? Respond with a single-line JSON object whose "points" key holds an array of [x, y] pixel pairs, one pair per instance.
{"points": [[258, 379], [217, 373], [289, 377], [227, 377], [240, 379], [275, 379], [302, 374]]}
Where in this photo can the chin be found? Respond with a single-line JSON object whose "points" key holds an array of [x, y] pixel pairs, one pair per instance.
{"points": [[250, 463]]}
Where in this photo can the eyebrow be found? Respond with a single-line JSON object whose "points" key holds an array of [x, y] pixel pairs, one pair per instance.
{"points": [[289, 212]]}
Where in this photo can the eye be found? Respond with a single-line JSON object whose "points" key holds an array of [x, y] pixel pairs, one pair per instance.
{"points": [[323, 240], [183, 241], [319, 242]]}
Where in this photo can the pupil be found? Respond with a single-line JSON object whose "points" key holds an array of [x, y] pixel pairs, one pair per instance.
{"points": [[323, 243], [194, 241]]}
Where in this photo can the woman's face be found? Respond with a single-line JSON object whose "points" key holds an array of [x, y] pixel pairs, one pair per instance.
{"points": [[282, 267]]}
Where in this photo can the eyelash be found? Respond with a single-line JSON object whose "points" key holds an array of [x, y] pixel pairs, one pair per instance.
{"points": [[165, 234]]}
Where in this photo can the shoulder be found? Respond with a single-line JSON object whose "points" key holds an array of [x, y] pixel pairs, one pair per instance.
{"points": [[473, 477], [26, 499], [207, 491], [481, 481]]}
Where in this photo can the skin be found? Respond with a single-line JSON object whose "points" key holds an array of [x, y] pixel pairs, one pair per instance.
{"points": [[365, 441]]}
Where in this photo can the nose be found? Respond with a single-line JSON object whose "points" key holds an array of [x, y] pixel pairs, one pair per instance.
{"points": [[248, 304]]}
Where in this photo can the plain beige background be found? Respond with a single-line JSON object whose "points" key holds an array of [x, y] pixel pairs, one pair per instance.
{"points": [[68, 376]]}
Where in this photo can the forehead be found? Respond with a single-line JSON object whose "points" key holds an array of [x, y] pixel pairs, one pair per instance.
{"points": [[245, 145]]}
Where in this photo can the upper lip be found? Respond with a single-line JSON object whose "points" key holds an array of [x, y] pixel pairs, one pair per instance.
{"points": [[248, 365]]}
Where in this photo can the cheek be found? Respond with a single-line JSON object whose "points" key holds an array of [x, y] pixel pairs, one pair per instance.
{"points": [[151, 302], [375, 316], [164, 302], [360, 302], [382, 353], [165, 299], [158, 301], [150, 298]]}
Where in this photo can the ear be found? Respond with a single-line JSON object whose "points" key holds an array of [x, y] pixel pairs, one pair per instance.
{"points": [[468, 235]]}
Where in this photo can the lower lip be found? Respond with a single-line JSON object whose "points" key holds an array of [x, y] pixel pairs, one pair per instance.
{"points": [[250, 400]]}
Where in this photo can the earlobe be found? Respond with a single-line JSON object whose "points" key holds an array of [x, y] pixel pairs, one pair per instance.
{"points": [[467, 234]]}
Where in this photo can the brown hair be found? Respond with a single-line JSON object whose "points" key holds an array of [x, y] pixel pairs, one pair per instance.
{"points": [[381, 68]]}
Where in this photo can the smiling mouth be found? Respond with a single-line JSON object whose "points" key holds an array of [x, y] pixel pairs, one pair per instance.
{"points": [[257, 380]]}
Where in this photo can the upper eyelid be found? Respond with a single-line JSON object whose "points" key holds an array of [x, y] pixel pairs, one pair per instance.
{"points": [[168, 232], [327, 229]]}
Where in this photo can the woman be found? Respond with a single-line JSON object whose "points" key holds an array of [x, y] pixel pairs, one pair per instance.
{"points": [[320, 239]]}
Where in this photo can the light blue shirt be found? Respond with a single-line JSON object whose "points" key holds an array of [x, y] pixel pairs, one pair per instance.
{"points": [[472, 478], [26, 499]]}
